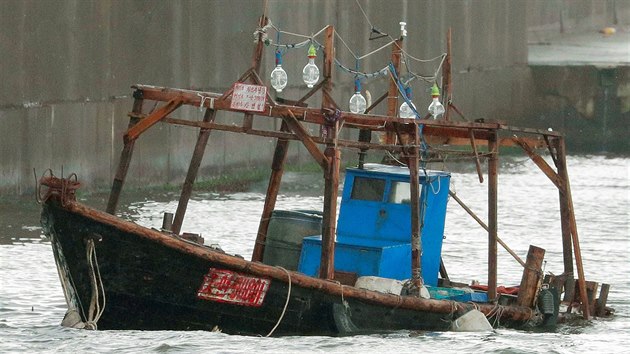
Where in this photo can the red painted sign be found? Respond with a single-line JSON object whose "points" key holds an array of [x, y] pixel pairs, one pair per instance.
{"points": [[247, 97], [223, 285]]}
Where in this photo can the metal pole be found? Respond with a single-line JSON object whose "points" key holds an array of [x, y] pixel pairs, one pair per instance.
{"points": [[493, 167]]}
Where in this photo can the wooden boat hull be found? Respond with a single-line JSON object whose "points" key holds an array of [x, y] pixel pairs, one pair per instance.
{"points": [[154, 281]]}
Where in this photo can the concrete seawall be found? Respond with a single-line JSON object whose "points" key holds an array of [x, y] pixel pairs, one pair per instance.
{"points": [[67, 67]]}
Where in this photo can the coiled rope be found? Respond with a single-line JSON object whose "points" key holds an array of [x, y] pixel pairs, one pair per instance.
{"points": [[96, 309]]}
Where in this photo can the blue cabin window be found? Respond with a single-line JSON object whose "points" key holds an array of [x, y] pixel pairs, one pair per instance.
{"points": [[370, 189], [400, 193]]}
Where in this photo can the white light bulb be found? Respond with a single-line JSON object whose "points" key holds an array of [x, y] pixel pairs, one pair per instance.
{"points": [[279, 78], [278, 75], [405, 111], [436, 109], [310, 73], [357, 103]]}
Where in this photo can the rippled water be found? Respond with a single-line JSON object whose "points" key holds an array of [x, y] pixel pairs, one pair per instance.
{"points": [[32, 303]]}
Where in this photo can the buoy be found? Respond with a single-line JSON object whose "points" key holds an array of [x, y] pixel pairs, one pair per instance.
{"points": [[608, 31], [471, 321]]}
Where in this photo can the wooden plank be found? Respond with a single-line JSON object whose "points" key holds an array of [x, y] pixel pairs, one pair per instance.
{"points": [[532, 275], [193, 169], [602, 299], [493, 167]]}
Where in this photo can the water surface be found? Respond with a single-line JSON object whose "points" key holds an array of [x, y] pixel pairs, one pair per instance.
{"points": [[32, 303]]}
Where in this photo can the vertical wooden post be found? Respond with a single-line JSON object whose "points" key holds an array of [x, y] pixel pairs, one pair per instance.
{"points": [[601, 301], [493, 167], [327, 70], [447, 89], [416, 241], [125, 157], [567, 248], [193, 169], [277, 170], [532, 274], [567, 201], [392, 93], [248, 119], [329, 227], [331, 174]]}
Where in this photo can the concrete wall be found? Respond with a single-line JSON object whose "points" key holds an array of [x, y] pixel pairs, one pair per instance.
{"points": [[66, 67], [548, 17]]}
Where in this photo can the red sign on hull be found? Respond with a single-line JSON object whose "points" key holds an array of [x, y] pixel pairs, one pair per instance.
{"points": [[232, 287]]}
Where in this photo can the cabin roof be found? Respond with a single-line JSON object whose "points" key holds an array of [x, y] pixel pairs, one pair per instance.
{"points": [[398, 171]]}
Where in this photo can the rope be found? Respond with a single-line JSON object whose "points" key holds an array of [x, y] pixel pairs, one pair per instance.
{"points": [[286, 304], [95, 310], [439, 186], [380, 72]]}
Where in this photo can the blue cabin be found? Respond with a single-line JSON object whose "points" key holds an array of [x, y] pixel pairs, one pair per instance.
{"points": [[374, 225]]}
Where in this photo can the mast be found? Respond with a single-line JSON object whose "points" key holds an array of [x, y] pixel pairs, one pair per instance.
{"points": [[331, 173]]}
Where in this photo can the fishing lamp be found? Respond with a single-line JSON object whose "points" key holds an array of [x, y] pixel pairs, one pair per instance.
{"points": [[357, 101], [405, 111], [278, 75], [310, 73], [436, 109]]}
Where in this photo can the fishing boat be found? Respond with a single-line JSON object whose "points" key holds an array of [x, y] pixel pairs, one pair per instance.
{"points": [[375, 267]]}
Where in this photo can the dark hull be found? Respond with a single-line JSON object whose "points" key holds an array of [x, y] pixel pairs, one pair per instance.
{"points": [[151, 282]]}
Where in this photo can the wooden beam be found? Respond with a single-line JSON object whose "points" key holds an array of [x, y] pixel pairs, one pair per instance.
{"points": [[474, 148], [447, 88], [568, 202], [316, 88], [532, 275], [329, 227], [135, 131], [277, 170], [125, 158], [193, 169], [392, 92], [565, 213], [376, 103], [485, 227], [297, 129], [281, 135], [416, 221], [541, 163]]}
